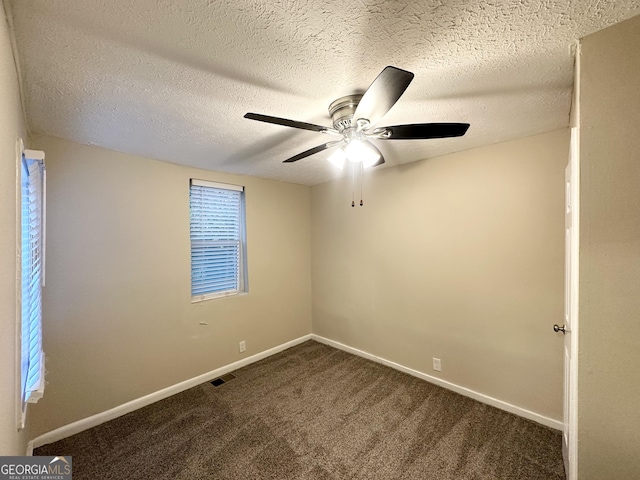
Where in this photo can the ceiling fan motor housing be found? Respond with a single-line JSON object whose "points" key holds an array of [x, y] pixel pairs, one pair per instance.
{"points": [[342, 110]]}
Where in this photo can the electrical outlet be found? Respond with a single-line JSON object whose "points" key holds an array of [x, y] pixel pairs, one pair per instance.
{"points": [[437, 364], [243, 346]]}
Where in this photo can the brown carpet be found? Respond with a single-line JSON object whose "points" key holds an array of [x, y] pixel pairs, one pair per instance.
{"points": [[314, 412]]}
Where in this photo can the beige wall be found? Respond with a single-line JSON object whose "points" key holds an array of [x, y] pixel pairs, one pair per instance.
{"points": [[11, 128], [118, 321], [459, 257], [609, 341]]}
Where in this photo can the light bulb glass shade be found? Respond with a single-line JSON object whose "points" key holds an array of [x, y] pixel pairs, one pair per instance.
{"points": [[362, 151], [338, 158], [374, 158]]}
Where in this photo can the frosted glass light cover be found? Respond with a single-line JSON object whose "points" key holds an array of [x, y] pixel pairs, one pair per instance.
{"points": [[338, 158], [362, 151]]}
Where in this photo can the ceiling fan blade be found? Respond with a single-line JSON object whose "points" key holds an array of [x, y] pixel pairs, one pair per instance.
{"points": [[312, 151], [290, 123], [382, 94], [422, 131]]}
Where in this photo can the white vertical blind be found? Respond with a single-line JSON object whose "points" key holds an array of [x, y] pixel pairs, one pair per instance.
{"points": [[32, 251], [217, 237]]}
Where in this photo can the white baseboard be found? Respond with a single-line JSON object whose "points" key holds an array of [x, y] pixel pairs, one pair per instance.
{"points": [[95, 420], [494, 402]]}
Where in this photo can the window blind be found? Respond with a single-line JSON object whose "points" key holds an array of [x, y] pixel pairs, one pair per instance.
{"points": [[32, 251], [217, 239]]}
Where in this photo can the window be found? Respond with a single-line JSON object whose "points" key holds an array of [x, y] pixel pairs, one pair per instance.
{"points": [[32, 276], [217, 228]]}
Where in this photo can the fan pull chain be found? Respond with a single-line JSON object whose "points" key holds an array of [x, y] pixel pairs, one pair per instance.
{"points": [[361, 182], [353, 187], [356, 175]]}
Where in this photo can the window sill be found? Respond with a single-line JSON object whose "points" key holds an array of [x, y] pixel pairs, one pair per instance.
{"points": [[35, 395], [214, 296]]}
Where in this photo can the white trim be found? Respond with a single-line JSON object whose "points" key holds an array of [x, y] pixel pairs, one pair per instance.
{"points": [[25, 157], [572, 447], [95, 420], [211, 296], [21, 411], [44, 222], [37, 394], [225, 186], [494, 402], [33, 155], [30, 448]]}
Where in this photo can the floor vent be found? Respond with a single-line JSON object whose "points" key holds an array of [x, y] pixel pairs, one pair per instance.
{"points": [[216, 382]]}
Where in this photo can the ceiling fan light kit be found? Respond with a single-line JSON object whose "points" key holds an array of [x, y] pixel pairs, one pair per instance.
{"points": [[360, 150], [338, 158]]}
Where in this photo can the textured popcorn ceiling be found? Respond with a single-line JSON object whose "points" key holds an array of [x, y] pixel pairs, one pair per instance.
{"points": [[172, 79]]}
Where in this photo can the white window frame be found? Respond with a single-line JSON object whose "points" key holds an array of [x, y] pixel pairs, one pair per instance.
{"points": [[241, 283], [31, 360]]}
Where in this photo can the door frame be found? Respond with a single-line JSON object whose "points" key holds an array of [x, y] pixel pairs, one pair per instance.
{"points": [[570, 397]]}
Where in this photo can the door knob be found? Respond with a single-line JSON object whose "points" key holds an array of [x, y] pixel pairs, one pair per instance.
{"points": [[557, 328]]}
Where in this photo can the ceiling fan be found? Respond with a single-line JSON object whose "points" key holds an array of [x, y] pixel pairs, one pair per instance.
{"points": [[354, 118]]}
